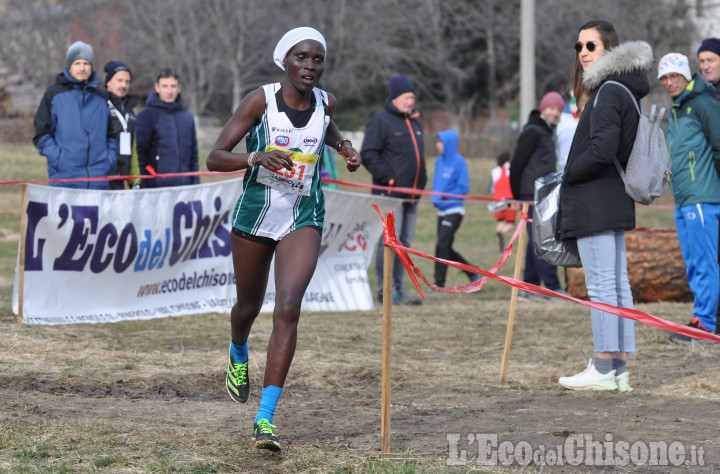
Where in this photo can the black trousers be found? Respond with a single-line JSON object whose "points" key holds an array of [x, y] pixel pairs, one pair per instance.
{"points": [[446, 228]]}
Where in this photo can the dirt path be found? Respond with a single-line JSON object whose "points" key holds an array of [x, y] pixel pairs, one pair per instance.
{"points": [[445, 392]]}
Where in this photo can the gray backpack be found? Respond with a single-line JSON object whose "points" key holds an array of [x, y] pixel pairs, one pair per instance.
{"points": [[647, 172]]}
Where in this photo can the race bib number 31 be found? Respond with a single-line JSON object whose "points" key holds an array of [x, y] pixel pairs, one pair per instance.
{"points": [[296, 181]]}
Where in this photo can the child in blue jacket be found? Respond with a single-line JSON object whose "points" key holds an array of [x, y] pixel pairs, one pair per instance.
{"points": [[451, 176]]}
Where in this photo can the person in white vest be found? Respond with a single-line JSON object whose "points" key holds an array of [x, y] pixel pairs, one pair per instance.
{"points": [[281, 210]]}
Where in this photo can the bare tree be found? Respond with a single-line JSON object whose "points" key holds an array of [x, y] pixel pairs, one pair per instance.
{"points": [[173, 33], [34, 36], [462, 55], [239, 34]]}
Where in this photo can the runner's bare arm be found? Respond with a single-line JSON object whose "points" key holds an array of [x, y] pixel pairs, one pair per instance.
{"points": [[248, 114]]}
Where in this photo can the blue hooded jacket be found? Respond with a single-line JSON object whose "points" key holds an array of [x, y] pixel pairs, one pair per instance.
{"points": [[72, 132], [167, 141], [451, 173]]}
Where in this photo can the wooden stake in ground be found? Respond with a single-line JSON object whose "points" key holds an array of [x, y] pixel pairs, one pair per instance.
{"points": [[519, 257], [386, 342], [21, 257]]}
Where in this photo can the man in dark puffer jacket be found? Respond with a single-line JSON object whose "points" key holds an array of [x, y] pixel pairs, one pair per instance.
{"points": [[166, 137], [534, 158], [393, 153]]}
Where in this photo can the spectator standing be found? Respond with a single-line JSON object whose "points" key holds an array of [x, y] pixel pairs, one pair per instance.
{"points": [[72, 124], [594, 207], [709, 57], [393, 153], [166, 137], [451, 177], [565, 132], [694, 142], [122, 117], [500, 189], [534, 158]]}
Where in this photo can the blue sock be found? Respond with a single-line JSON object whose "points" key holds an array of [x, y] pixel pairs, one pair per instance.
{"points": [[239, 352], [619, 366], [268, 402]]}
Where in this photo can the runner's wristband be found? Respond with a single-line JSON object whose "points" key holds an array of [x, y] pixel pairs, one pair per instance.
{"points": [[341, 142]]}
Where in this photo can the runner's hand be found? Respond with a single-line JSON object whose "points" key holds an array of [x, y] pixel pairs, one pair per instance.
{"points": [[352, 158], [275, 160]]}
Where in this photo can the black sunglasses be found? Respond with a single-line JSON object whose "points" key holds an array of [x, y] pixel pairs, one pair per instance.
{"points": [[590, 45]]}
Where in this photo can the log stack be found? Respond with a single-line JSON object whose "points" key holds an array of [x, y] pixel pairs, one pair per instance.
{"points": [[655, 268]]}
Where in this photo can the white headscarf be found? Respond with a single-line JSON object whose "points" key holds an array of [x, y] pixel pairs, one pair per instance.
{"points": [[293, 37]]}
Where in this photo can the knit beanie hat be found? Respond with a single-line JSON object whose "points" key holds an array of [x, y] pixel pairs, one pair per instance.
{"points": [[79, 50], [115, 66], [710, 44], [400, 85], [552, 99], [674, 63]]}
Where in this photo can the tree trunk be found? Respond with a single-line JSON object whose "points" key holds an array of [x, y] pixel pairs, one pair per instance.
{"points": [[656, 268]]}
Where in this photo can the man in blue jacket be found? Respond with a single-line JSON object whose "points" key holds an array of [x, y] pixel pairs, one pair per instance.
{"points": [[165, 135], [694, 142], [72, 124], [393, 153], [451, 177]]}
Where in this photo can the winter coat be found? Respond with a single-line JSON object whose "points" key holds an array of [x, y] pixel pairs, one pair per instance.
{"points": [[72, 131], [167, 141], [534, 156], [123, 106], [694, 142], [393, 151], [451, 174], [592, 195]]}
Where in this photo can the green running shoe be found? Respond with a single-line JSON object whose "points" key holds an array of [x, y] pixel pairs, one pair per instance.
{"points": [[264, 437], [623, 381], [238, 382]]}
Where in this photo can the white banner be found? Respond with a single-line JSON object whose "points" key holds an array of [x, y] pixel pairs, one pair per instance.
{"points": [[103, 256]]}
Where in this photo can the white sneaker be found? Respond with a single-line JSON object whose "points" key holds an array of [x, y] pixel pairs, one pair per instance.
{"points": [[590, 379], [623, 381]]}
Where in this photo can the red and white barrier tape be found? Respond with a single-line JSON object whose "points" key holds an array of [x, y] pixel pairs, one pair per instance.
{"points": [[391, 240]]}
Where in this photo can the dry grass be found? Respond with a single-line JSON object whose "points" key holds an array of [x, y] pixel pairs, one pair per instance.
{"points": [[148, 396]]}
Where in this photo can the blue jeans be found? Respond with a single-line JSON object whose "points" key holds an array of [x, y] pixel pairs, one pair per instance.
{"points": [[697, 228], [405, 229], [604, 259]]}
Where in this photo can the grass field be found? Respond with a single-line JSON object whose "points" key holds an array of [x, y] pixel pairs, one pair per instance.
{"points": [[148, 396]]}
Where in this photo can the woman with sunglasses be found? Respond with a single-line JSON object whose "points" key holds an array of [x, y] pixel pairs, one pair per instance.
{"points": [[594, 208]]}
